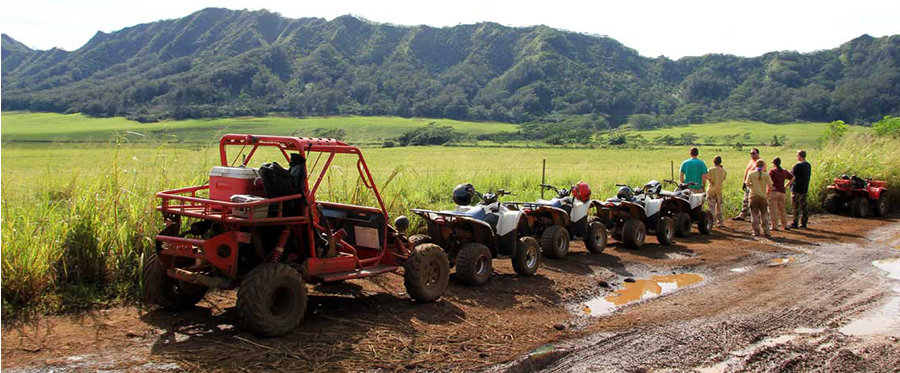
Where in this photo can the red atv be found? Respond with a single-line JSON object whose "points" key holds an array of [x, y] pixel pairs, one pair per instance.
{"points": [[265, 232], [857, 195]]}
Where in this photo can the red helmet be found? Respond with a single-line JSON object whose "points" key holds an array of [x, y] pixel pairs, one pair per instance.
{"points": [[582, 191]]}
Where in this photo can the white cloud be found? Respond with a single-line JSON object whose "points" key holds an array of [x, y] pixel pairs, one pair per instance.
{"points": [[653, 27]]}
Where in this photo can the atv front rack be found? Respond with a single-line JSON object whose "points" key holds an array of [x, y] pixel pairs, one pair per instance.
{"points": [[185, 202]]}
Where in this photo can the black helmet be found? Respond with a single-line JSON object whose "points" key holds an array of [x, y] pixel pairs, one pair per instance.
{"points": [[463, 194], [625, 193], [653, 187]]}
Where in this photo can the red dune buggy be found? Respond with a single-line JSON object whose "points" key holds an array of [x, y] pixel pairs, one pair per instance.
{"points": [[265, 232], [858, 196]]}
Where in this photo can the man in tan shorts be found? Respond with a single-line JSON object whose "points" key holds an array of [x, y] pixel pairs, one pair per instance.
{"points": [[715, 194]]}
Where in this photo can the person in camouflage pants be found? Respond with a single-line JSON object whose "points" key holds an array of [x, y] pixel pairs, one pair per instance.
{"points": [[799, 189]]}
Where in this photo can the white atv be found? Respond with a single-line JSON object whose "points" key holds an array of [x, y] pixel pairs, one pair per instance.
{"points": [[686, 207], [474, 235], [633, 212], [562, 218]]}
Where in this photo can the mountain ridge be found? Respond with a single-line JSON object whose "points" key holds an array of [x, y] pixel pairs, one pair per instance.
{"points": [[221, 62]]}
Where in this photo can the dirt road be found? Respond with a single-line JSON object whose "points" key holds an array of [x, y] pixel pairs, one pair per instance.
{"points": [[806, 300]]}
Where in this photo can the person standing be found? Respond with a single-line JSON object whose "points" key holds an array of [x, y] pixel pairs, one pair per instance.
{"points": [[777, 194], [745, 208], [694, 172], [758, 182], [715, 194], [799, 188]]}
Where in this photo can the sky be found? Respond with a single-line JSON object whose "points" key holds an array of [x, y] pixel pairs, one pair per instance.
{"points": [[672, 28]]}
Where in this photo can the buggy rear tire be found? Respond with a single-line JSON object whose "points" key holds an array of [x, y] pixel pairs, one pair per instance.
{"points": [[527, 257], [665, 232], [705, 225], [682, 224], [634, 233], [881, 206], [859, 206], [272, 300], [474, 264], [832, 203], [597, 237], [165, 291], [555, 242], [426, 273]]}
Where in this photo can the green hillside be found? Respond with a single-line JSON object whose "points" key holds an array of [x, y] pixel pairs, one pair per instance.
{"points": [[22, 126], [229, 63]]}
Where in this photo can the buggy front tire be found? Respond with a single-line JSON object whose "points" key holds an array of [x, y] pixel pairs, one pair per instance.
{"points": [[272, 300], [527, 257], [474, 264], [426, 273], [165, 291], [597, 237], [418, 239], [705, 225], [555, 242], [665, 233], [634, 233], [682, 224]]}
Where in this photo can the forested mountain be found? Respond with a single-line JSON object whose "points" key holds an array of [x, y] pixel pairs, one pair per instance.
{"points": [[219, 62]]}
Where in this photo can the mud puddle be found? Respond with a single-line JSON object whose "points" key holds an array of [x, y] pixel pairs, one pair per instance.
{"points": [[640, 289], [884, 320]]}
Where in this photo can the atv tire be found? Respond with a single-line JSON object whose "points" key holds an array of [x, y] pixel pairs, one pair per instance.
{"points": [[165, 291], [527, 257], [272, 300], [682, 224], [705, 225], [426, 273], [474, 264], [633, 234], [832, 203], [859, 207], [665, 232], [881, 206], [555, 242], [418, 239], [596, 238]]}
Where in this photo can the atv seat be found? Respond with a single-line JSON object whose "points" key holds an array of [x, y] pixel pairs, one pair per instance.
{"points": [[472, 212]]}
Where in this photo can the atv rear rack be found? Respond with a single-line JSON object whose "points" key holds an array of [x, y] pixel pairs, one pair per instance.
{"points": [[184, 202]]}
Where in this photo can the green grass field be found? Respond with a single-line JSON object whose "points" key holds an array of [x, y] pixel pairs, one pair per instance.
{"points": [[78, 216], [746, 132], [23, 126]]}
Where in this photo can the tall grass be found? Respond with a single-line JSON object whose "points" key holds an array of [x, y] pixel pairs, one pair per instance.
{"points": [[862, 154], [77, 218]]}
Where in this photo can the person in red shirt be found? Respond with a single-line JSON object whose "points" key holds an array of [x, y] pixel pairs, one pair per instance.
{"points": [[777, 195]]}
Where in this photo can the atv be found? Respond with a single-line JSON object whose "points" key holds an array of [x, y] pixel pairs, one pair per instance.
{"points": [[633, 212], [474, 235], [264, 231], [858, 196], [558, 220], [686, 207]]}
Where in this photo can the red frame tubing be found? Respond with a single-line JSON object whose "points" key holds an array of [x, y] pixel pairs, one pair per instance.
{"points": [[184, 201]]}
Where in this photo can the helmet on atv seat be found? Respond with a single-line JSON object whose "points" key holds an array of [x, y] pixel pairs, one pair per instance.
{"points": [[582, 191], [653, 187], [625, 193], [463, 194]]}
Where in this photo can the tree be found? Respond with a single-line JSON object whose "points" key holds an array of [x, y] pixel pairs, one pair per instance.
{"points": [[887, 127], [835, 131]]}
